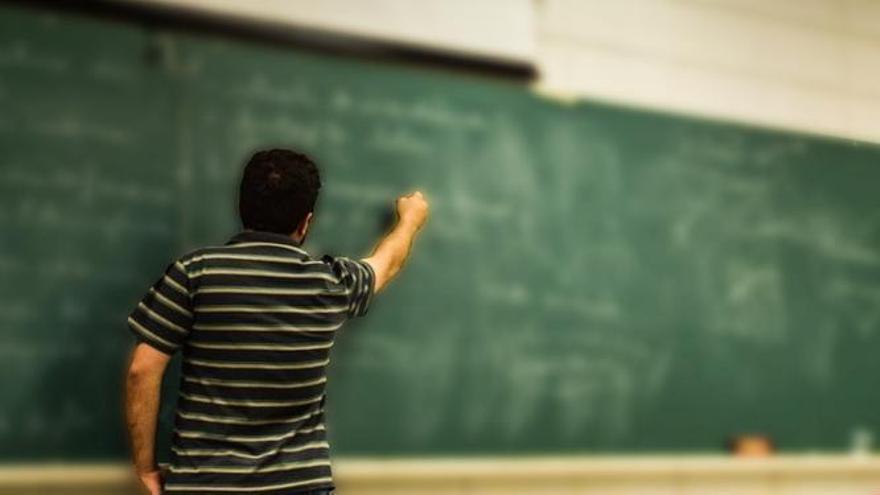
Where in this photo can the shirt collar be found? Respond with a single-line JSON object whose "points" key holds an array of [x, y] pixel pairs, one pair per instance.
{"points": [[265, 237]]}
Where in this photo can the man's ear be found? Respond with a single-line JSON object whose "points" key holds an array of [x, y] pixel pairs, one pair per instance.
{"points": [[303, 228]]}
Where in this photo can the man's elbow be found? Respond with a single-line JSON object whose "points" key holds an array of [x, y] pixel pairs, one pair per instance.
{"points": [[146, 364], [138, 372]]}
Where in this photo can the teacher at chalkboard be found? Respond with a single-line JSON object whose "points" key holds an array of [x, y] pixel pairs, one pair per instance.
{"points": [[255, 319]]}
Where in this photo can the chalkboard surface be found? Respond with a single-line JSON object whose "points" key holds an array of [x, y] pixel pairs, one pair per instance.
{"points": [[593, 279]]}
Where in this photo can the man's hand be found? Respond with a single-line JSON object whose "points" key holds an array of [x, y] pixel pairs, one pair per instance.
{"points": [[151, 482], [392, 251], [413, 209]]}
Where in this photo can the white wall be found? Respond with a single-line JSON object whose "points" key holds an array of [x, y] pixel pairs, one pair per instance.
{"points": [[811, 65]]}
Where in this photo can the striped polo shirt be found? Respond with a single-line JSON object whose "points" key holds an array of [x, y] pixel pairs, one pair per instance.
{"points": [[255, 320]]}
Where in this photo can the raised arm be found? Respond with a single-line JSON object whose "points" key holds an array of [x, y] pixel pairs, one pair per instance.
{"points": [[393, 250], [142, 386]]}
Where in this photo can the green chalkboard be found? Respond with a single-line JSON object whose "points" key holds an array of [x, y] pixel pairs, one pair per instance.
{"points": [[593, 279]]}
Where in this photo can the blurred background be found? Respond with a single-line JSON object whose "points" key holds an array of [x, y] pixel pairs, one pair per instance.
{"points": [[653, 264]]}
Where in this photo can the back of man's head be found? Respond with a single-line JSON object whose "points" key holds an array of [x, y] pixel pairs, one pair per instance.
{"points": [[278, 189]]}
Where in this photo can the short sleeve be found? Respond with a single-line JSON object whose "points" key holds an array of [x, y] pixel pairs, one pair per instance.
{"points": [[163, 317], [358, 279]]}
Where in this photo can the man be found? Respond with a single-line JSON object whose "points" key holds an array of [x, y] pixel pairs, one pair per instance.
{"points": [[255, 320]]}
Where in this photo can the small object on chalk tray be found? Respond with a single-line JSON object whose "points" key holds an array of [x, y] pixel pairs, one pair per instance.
{"points": [[751, 445]]}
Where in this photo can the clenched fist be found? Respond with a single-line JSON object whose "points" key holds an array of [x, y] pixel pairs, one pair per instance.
{"points": [[413, 209]]}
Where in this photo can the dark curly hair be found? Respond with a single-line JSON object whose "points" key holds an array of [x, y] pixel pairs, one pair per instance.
{"points": [[278, 189]]}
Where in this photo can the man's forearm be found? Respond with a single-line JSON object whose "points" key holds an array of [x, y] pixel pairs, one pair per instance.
{"points": [[142, 396], [393, 250]]}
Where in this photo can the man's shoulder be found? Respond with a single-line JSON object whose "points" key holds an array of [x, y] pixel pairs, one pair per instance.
{"points": [[198, 254]]}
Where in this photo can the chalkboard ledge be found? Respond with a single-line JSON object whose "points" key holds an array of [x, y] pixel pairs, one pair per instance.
{"points": [[581, 474]]}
